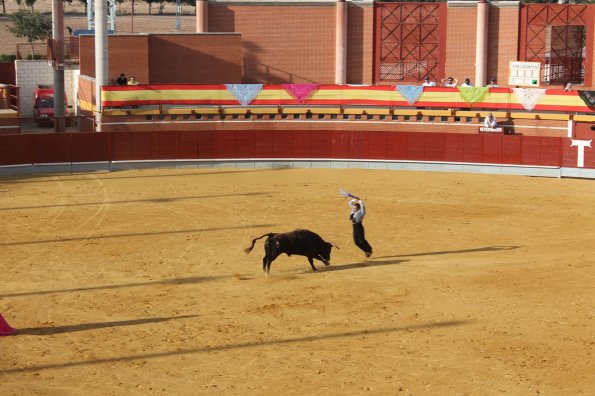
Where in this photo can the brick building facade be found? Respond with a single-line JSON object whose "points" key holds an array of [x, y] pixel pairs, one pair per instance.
{"points": [[295, 42]]}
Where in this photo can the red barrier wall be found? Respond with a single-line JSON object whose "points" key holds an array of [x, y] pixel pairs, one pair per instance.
{"points": [[406, 146]]}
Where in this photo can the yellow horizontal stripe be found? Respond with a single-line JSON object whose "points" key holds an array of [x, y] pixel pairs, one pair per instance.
{"points": [[561, 100], [264, 110], [438, 113], [406, 112], [144, 111], [178, 110], [524, 116], [113, 112], [332, 94], [206, 110], [166, 95], [368, 110], [274, 94], [584, 117], [497, 114], [547, 116], [313, 110]]}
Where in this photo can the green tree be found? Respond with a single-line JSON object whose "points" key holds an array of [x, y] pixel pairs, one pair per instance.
{"points": [[32, 25], [28, 3]]}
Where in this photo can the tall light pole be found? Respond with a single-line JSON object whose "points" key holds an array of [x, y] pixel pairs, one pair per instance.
{"points": [[481, 48], [58, 54], [101, 56]]}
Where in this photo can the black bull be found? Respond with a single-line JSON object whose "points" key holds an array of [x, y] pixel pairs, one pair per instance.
{"points": [[300, 242]]}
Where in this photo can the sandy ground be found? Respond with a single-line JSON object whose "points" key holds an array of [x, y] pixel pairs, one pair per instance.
{"points": [[136, 283]]}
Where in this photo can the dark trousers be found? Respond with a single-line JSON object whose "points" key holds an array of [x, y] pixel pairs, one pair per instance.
{"points": [[360, 239]]}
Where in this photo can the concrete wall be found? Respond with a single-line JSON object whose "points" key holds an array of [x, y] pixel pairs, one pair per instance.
{"points": [[31, 73]]}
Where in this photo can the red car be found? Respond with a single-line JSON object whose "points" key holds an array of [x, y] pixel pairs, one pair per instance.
{"points": [[43, 107]]}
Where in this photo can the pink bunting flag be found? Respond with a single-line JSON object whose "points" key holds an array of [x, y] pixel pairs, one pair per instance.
{"points": [[301, 92]]}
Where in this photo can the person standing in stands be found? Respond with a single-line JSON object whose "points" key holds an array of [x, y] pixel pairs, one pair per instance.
{"points": [[358, 211], [122, 80], [467, 83], [132, 81], [493, 83], [428, 83], [450, 82]]}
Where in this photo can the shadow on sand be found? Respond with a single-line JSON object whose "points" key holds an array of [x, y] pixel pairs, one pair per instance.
{"points": [[240, 346], [139, 234], [476, 250], [363, 264], [45, 178], [174, 281], [40, 331], [148, 200]]}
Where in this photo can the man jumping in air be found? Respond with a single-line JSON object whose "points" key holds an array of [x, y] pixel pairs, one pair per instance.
{"points": [[358, 211]]}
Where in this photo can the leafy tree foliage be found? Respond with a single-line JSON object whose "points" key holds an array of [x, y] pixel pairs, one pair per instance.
{"points": [[30, 24]]}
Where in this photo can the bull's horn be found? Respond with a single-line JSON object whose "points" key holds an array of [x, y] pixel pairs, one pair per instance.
{"points": [[335, 246]]}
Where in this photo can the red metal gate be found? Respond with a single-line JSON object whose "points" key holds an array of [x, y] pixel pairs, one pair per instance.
{"points": [[410, 39], [556, 36]]}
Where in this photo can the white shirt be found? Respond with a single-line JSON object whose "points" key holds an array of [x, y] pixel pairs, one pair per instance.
{"points": [[357, 215], [490, 122], [466, 85], [428, 84]]}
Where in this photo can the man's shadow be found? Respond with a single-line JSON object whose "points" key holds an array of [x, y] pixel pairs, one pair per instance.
{"points": [[508, 127]]}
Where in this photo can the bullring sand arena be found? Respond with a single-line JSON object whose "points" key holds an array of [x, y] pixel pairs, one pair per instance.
{"points": [[136, 283]]}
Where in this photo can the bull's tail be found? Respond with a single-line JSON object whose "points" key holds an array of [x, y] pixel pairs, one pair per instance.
{"points": [[249, 249]]}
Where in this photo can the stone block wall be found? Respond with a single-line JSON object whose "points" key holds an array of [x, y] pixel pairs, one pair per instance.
{"points": [[31, 73]]}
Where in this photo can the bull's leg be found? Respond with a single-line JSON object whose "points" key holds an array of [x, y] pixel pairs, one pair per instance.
{"points": [[323, 260], [266, 263], [311, 260], [269, 264]]}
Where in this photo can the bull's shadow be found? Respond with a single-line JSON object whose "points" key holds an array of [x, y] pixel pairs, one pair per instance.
{"points": [[361, 264]]}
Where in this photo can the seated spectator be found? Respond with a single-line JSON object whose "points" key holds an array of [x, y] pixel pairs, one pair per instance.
{"points": [[122, 80], [428, 83], [493, 83], [490, 121], [568, 87], [467, 83], [132, 81], [450, 82]]}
